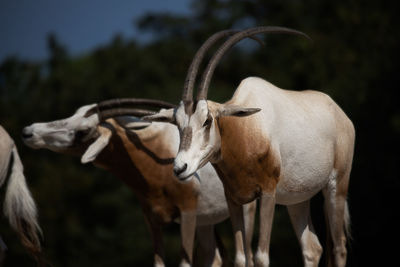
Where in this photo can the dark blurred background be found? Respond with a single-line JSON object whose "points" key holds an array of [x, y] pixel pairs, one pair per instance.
{"points": [[97, 51]]}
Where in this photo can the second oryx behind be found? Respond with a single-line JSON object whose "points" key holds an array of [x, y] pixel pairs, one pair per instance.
{"points": [[141, 155]]}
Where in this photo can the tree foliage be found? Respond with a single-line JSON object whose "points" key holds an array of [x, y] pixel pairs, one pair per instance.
{"points": [[91, 219]]}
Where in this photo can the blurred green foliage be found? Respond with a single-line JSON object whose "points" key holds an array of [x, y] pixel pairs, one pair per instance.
{"points": [[91, 219]]}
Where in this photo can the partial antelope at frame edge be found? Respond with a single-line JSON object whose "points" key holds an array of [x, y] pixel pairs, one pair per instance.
{"points": [[19, 206], [279, 146], [141, 154]]}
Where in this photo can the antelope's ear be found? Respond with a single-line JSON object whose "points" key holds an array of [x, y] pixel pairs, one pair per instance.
{"points": [[137, 125], [164, 115], [101, 142], [132, 123], [233, 110]]}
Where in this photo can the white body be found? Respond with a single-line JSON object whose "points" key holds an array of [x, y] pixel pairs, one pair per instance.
{"points": [[277, 145], [212, 207], [302, 128], [311, 142]]}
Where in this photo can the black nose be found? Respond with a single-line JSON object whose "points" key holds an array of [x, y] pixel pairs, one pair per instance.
{"points": [[179, 170], [27, 133]]}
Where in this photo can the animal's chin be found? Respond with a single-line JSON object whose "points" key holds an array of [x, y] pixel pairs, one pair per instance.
{"points": [[58, 149], [31, 143], [33, 146], [185, 177], [58, 146]]}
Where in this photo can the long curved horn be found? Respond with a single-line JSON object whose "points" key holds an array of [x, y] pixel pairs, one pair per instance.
{"points": [[124, 104], [187, 95], [206, 78], [119, 102], [115, 112]]}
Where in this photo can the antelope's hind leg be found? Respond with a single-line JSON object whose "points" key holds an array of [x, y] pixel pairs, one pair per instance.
{"points": [[337, 213], [302, 224]]}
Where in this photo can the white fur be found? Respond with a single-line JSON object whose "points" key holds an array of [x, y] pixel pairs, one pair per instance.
{"points": [[212, 207], [96, 147], [18, 201], [262, 258], [59, 135]]}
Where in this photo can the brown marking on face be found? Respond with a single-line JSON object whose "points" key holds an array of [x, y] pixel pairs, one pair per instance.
{"points": [[249, 165], [188, 107], [186, 139]]}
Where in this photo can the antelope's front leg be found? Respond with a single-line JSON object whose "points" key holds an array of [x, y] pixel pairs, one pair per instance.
{"points": [[267, 207], [188, 229], [236, 214], [249, 213]]}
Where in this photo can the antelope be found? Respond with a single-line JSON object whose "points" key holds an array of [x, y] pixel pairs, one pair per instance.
{"points": [[275, 145], [19, 205], [141, 155]]}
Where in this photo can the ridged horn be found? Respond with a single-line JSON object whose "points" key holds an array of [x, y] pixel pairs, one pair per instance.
{"points": [[206, 78], [187, 96], [129, 102], [115, 112], [125, 104]]}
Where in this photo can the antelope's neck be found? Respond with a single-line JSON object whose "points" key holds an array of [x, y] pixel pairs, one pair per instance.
{"points": [[249, 165], [135, 158], [145, 163]]}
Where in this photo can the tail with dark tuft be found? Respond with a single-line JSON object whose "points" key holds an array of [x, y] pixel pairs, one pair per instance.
{"points": [[20, 209]]}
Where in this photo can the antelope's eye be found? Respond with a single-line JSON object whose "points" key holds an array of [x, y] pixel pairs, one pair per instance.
{"points": [[81, 133], [208, 122]]}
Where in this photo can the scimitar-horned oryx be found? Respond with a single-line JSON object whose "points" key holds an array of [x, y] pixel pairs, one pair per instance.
{"points": [[19, 205], [141, 155], [294, 144]]}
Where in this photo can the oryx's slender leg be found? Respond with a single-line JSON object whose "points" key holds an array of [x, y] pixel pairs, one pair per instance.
{"points": [[249, 211], [301, 221], [208, 253], [267, 207], [236, 214], [157, 240], [336, 209], [188, 229]]}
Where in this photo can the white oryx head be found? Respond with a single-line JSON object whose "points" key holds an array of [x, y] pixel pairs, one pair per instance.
{"points": [[81, 131], [197, 121], [62, 134]]}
